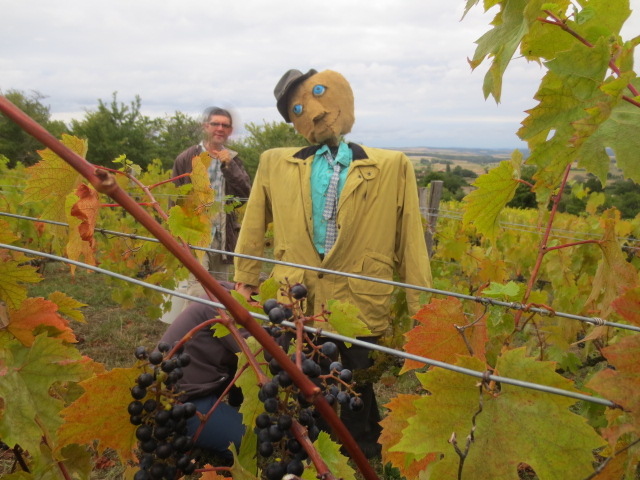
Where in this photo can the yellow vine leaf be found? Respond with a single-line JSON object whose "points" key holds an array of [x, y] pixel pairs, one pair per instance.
{"points": [[52, 179], [31, 408], [12, 277], [437, 338], [68, 306], [494, 190], [35, 314], [561, 446], [192, 229], [202, 193], [96, 417], [82, 221], [6, 234]]}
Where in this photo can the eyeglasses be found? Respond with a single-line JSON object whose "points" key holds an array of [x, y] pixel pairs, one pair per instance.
{"points": [[217, 124]]}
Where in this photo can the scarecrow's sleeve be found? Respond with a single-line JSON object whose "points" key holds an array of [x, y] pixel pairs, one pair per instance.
{"points": [[411, 249], [255, 222]]}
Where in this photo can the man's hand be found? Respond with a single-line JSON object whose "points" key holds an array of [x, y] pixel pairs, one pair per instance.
{"points": [[224, 156]]}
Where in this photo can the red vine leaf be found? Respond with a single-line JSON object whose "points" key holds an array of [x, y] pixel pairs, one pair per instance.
{"points": [[210, 474], [96, 417], [622, 384], [437, 337], [82, 222], [34, 315], [628, 305], [614, 275]]}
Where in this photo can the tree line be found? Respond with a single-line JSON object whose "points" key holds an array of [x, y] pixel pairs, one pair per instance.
{"points": [[115, 128]]}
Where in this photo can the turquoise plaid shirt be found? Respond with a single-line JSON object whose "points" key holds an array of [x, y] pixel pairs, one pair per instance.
{"points": [[321, 173]]}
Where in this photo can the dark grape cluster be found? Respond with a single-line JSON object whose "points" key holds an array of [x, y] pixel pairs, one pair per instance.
{"points": [[160, 420], [284, 403]]}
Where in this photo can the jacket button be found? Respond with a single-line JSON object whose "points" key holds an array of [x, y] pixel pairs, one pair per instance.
{"points": [[320, 275]]}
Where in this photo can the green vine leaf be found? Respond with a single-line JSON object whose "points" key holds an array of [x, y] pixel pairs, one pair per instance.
{"points": [[494, 190], [344, 319], [27, 375], [336, 462]]}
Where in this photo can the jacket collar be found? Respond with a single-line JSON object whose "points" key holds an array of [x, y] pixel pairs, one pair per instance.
{"points": [[306, 152]]}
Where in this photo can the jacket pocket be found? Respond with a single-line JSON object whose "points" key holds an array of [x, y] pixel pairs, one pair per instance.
{"points": [[373, 265]]}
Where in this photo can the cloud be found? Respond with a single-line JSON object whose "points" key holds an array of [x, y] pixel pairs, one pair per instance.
{"points": [[406, 61]]}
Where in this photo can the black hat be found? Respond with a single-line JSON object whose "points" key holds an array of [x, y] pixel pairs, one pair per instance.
{"points": [[284, 88]]}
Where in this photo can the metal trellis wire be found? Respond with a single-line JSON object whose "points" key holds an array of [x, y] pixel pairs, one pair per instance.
{"points": [[479, 299], [485, 376]]}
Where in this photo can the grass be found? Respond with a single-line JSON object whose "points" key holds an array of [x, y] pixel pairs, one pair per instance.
{"points": [[111, 332]]}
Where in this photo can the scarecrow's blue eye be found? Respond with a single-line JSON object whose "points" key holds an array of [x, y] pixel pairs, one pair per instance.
{"points": [[319, 90], [297, 109]]}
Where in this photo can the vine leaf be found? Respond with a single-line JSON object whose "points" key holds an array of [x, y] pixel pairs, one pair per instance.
{"points": [[402, 408], [30, 408], [251, 405], [68, 306], [210, 474], [617, 131], [336, 462], [35, 314], [494, 190], [614, 274], [202, 193], [437, 338], [239, 469], [344, 319], [628, 305], [561, 446], [52, 179], [12, 277], [622, 384], [192, 229], [82, 222], [94, 417], [510, 25]]}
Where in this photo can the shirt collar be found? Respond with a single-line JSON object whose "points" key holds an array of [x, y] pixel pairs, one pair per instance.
{"points": [[343, 156]]}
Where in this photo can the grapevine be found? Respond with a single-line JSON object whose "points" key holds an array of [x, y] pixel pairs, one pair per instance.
{"points": [[300, 387]]}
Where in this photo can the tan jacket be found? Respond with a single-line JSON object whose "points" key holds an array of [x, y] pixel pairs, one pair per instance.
{"points": [[379, 230]]}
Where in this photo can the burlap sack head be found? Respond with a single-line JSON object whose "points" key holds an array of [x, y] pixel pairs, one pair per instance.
{"points": [[321, 107]]}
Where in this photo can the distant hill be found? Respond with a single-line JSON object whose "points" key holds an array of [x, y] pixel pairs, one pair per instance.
{"points": [[482, 156]]}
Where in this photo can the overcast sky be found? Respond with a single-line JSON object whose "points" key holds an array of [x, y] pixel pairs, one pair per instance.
{"points": [[406, 61]]}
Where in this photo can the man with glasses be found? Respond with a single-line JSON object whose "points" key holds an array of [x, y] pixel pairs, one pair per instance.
{"points": [[228, 178]]}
